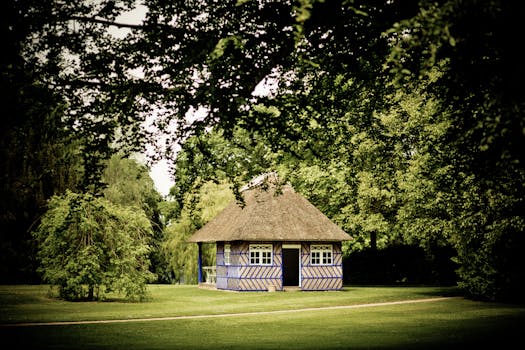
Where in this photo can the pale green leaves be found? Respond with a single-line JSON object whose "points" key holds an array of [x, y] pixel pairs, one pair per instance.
{"points": [[89, 247], [223, 44], [272, 111], [181, 256]]}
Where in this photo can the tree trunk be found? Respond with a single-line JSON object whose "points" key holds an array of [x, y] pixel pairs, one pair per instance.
{"points": [[373, 240], [91, 292]]}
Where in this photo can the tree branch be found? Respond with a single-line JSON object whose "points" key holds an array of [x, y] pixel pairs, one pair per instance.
{"points": [[106, 22], [118, 24]]}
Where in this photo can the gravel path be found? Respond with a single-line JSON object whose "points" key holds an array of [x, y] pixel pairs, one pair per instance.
{"points": [[194, 317]]}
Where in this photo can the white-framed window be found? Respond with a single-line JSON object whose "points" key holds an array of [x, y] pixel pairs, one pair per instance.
{"points": [[261, 254], [227, 252], [321, 254]]}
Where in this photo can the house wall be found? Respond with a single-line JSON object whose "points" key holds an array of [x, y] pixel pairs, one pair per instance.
{"points": [[324, 277], [228, 275], [240, 275]]}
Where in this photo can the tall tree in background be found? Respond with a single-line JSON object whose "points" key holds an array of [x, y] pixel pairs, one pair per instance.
{"points": [[44, 148], [128, 184], [181, 255], [474, 169], [38, 157]]}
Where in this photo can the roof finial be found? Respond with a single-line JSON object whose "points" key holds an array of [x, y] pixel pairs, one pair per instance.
{"points": [[265, 178]]}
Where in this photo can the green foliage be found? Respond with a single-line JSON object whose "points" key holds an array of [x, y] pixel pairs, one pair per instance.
{"points": [[215, 157], [182, 256], [129, 184], [490, 251], [466, 183], [89, 247], [417, 132]]}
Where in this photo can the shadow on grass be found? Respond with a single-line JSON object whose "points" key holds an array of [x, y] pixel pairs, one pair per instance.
{"points": [[428, 291]]}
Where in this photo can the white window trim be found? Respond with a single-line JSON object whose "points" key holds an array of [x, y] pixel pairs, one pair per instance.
{"points": [[322, 249], [227, 254], [259, 250]]}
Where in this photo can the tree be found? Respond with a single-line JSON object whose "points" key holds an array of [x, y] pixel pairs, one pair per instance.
{"points": [[182, 256], [472, 163], [454, 175], [37, 160], [129, 184], [42, 150], [215, 157], [89, 248]]}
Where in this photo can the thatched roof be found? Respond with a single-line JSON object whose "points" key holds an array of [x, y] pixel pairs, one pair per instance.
{"points": [[270, 215]]}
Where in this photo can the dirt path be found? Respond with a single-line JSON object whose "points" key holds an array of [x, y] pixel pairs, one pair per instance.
{"points": [[194, 317]]}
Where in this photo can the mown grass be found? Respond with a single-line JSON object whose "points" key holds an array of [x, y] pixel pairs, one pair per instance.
{"points": [[446, 323]]}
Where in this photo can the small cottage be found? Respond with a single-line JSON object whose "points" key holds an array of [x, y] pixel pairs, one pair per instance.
{"points": [[277, 239]]}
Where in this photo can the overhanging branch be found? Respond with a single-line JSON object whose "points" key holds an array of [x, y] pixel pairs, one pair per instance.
{"points": [[106, 22], [118, 24]]}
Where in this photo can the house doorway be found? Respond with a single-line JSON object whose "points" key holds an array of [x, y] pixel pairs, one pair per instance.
{"points": [[291, 268]]}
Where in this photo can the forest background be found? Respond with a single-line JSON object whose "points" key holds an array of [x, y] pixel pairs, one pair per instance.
{"points": [[401, 121]]}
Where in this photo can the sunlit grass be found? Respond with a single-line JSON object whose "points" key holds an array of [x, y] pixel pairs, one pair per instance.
{"points": [[450, 323], [33, 304]]}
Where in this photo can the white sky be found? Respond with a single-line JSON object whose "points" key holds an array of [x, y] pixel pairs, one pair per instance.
{"points": [[161, 176]]}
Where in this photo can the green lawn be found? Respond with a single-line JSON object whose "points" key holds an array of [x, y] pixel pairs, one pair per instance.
{"points": [[450, 323]]}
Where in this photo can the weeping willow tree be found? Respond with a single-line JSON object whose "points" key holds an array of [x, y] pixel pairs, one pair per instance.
{"points": [[89, 248], [198, 209]]}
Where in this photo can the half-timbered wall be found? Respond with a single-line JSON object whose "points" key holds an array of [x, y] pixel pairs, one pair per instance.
{"points": [[321, 277], [259, 277], [240, 275], [228, 275]]}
